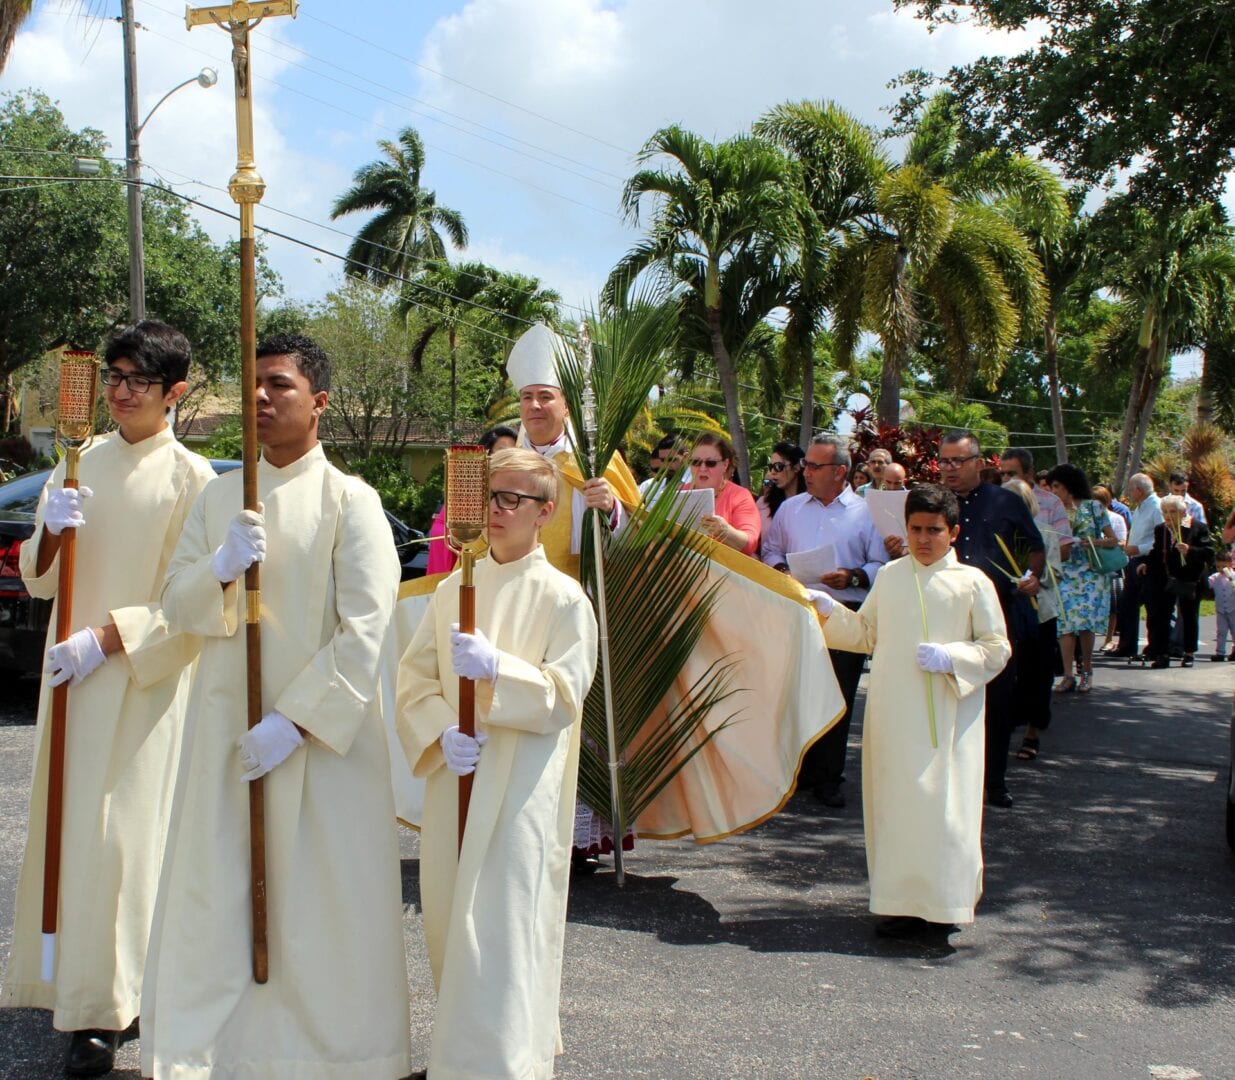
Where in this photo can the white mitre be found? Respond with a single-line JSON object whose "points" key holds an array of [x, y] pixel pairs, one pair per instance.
{"points": [[533, 360]]}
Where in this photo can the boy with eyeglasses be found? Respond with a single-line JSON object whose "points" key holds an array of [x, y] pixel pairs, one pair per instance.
{"points": [[495, 912], [129, 677]]}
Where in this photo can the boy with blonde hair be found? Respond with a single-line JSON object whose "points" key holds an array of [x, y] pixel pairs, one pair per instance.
{"points": [[495, 911]]}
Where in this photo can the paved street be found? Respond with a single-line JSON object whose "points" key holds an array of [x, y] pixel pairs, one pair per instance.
{"points": [[1104, 948]]}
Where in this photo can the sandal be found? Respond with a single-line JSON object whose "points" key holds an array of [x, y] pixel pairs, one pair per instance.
{"points": [[1065, 685], [1085, 683], [1028, 750]]}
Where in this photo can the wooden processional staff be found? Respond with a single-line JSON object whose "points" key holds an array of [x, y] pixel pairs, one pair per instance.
{"points": [[467, 515], [79, 384], [246, 188]]}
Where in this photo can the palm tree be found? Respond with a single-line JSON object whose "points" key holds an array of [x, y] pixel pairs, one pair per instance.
{"points": [[1174, 270], [839, 162], [937, 251], [12, 14], [511, 303], [447, 296], [717, 202], [409, 224]]}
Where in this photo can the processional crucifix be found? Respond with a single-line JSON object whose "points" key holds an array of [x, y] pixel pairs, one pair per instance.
{"points": [[246, 188]]}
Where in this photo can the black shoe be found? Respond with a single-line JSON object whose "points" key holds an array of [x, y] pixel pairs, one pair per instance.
{"points": [[828, 793], [1161, 662], [900, 927], [1186, 661], [91, 1052], [1127, 654], [1217, 658], [999, 798], [583, 865]]}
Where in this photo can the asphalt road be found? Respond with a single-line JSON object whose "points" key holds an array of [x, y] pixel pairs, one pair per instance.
{"points": [[1104, 947]]}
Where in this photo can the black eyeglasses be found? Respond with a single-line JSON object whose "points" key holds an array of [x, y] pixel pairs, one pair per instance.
{"points": [[704, 463], [956, 462], [137, 384], [777, 466], [512, 500], [811, 466]]}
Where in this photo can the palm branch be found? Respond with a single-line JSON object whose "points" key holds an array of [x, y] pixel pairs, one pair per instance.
{"points": [[652, 632]]}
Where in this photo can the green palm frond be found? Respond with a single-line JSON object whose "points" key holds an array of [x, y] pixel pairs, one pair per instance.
{"points": [[652, 634]]}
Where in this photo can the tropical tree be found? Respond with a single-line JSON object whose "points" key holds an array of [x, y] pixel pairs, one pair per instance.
{"points": [[12, 14], [938, 256], [511, 303], [717, 202], [409, 224], [1174, 273], [839, 163]]}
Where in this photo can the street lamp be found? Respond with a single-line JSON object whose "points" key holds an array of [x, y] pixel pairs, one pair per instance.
{"points": [[205, 78]]}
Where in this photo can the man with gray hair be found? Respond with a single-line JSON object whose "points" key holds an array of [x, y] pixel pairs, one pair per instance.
{"points": [[1146, 515], [829, 512]]}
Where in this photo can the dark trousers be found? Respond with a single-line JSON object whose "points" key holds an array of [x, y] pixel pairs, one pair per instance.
{"points": [[1161, 607], [1000, 696], [825, 761], [1035, 672], [1135, 593]]}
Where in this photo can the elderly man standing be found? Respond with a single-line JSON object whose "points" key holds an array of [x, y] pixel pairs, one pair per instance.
{"points": [[829, 512], [894, 477], [1146, 515], [990, 515], [877, 463]]}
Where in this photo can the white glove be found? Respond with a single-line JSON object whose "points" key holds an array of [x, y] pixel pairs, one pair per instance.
{"points": [[471, 655], [244, 545], [267, 744], [74, 658], [461, 752], [936, 658], [823, 601], [64, 509]]}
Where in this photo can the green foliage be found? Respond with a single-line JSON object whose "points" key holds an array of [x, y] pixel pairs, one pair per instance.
{"points": [[384, 472], [1110, 88], [226, 441]]}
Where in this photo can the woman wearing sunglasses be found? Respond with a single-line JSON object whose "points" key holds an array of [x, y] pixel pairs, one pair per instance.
{"points": [[784, 480], [736, 520]]}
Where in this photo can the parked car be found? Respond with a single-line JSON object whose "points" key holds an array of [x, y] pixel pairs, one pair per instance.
{"points": [[23, 619]]}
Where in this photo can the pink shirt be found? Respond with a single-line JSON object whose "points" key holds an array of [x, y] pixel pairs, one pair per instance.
{"points": [[737, 506], [441, 559]]}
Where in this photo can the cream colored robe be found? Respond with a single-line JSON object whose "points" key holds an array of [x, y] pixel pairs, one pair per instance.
{"points": [[922, 806], [495, 918], [336, 1005], [122, 738]]}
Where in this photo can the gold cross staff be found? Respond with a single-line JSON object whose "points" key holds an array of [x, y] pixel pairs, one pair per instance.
{"points": [[246, 188]]}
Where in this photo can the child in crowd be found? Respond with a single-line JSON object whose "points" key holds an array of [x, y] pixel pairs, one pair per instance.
{"points": [[937, 635], [1222, 585]]}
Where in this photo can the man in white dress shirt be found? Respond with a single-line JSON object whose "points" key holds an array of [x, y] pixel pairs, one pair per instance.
{"points": [[830, 512]]}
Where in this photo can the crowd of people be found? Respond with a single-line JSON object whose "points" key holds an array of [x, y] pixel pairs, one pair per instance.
{"points": [[965, 595]]}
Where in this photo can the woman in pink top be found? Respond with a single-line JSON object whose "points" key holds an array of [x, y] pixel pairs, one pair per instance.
{"points": [[736, 520], [441, 559]]}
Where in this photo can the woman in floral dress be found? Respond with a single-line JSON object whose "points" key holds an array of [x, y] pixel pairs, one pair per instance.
{"points": [[1084, 592]]}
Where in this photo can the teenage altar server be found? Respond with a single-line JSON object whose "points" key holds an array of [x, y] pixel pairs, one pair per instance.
{"points": [[937, 634], [495, 913], [129, 685], [336, 1003]]}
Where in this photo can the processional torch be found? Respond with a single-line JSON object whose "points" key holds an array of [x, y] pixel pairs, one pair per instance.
{"points": [[79, 381], [246, 188], [602, 614], [467, 515]]}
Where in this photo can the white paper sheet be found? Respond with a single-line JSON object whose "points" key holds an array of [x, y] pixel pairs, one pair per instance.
{"points": [[690, 506], [887, 510], [809, 566]]}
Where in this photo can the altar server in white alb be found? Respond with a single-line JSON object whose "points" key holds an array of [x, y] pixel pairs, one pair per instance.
{"points": [[937, 634], [495, 913], [129, 684], [336, 1003]]}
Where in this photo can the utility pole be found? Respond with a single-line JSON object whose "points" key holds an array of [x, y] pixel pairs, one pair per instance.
{"points": [[133, 168]]}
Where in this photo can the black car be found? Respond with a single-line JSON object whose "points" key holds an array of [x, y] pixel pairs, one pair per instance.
{"points": [[23, 619]]}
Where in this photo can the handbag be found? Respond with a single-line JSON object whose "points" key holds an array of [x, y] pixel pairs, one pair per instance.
{"points": [[1104, 560]]}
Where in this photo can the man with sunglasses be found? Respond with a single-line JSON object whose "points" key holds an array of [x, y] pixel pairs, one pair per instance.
{"points": [[989, 514], [830, 512], [129, 677]]}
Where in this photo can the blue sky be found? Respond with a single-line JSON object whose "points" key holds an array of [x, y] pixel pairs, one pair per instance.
{"points": [[531, 110]]}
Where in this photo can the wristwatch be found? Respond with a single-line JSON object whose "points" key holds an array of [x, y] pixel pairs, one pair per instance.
{"points": [[855, 580]]}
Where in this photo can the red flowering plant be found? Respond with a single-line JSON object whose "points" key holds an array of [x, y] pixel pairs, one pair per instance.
{"points": [[916, 448]]}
